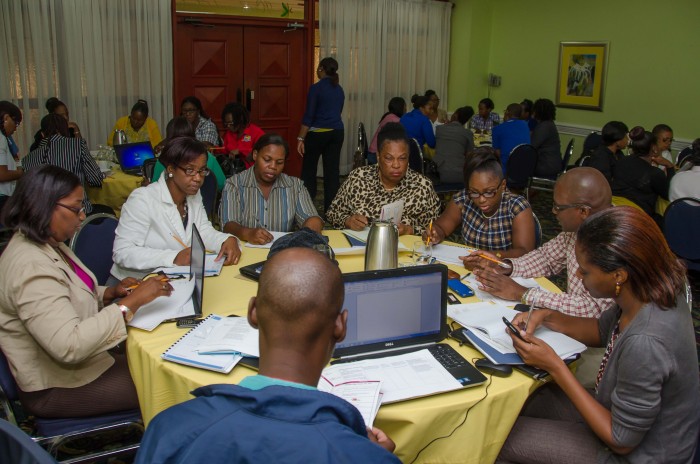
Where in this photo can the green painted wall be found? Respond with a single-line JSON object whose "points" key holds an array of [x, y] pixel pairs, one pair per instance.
{"points": [[653, 64]]}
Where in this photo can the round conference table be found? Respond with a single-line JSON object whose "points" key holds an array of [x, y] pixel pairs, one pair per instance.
{"points": [[116, 188], [491, 408]]}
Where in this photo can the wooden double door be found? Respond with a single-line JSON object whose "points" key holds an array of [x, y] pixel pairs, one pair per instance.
{"points": [[262, 67]]}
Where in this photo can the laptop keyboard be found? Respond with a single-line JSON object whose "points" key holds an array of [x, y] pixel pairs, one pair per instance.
{"points": [[447, 356]]}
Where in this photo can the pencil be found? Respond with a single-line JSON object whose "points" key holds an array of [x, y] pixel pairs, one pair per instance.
{"points": [[465, 275], [178, 240], [132, 287], [500, 263], [430, 233]]}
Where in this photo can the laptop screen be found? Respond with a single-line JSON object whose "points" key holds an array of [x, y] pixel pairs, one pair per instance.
{"points": [[132, 155], [394, 308], [197, 263]]}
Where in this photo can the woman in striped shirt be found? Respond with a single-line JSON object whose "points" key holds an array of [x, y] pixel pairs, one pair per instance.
{"points": [[59, 149]]}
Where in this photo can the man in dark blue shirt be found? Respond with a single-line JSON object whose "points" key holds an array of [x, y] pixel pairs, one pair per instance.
{"points": [[278, 415]]}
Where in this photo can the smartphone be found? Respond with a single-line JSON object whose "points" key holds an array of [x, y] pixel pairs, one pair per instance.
{"points": [[512, 329], [459, 288], [188, 322], [451, 299]]}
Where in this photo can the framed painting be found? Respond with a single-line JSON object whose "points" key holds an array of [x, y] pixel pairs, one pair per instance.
{"points": [[581, 75]]}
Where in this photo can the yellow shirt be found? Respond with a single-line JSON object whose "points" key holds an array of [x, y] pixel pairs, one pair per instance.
{"points": [[149, 132]]}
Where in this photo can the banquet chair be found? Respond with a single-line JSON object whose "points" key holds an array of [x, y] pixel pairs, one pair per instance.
{"points": [[360, 158], [681, 225], [55, 433], [93, 244], [415, 156], [547, 185], [520, 166], [149, 166], [591, 142], [208, 191], [682, 155], [538, 231], [18, 448]]}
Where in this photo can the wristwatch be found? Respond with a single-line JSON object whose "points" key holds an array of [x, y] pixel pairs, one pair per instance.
{"points": [[127, 313]]}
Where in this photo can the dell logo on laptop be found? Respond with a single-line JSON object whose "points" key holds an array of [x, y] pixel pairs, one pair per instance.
{"points": [[389, 344]]}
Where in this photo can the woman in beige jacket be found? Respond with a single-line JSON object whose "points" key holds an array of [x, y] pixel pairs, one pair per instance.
{"points": [[56, 324]]}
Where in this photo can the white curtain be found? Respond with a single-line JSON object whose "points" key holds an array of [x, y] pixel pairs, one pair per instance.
{"points": [[385, 49], [97, 56]]}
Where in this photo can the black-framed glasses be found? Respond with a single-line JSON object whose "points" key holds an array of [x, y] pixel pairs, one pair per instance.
{"points": [[487, 194], [204, 172], [190, 111], [77, 211], [556, 209]]}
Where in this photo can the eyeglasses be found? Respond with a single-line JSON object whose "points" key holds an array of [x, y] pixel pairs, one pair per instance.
{"points": [[193, 110], [204, 172], [556, 209], [389, 161], [667, 139], [229, 124], [77, 211]]}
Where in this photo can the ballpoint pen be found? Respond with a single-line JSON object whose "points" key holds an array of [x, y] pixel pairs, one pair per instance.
{"points": [[529, 313]]}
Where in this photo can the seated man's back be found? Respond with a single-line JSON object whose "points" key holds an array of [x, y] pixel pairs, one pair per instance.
{"points": [[278, 415]]}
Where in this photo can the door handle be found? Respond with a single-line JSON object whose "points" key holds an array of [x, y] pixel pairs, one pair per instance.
{"points": [[248, 98]]}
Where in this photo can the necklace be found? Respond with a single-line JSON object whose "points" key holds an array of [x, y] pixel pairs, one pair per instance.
{"points": [[488, 217], [494, 213], [183, 215]]}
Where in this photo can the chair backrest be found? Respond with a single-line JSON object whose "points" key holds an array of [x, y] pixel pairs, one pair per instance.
{"points": [[584, 160], [681, 223], [148, 167], [18, 448], [683, 154], [208, 191], [360, 158], [415, 156], [538, 231], [93, 244], [591, 142], [520, 166], [567, 155]]}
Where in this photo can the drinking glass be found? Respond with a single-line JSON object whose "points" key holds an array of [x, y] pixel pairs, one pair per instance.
{"points": [[422, 252]]}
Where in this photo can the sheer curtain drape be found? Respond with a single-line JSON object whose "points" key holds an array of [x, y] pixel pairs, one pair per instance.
{"points": [[98, 56], [385, 48]]}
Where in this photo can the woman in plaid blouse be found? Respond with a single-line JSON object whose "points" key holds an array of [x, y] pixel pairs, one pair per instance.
{"points": [[492, 218]]}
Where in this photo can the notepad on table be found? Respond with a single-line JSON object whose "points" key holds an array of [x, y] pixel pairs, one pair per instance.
{"points": [[449, 254], [185, 350], [483, 326], [275, 236], [231, 335]]}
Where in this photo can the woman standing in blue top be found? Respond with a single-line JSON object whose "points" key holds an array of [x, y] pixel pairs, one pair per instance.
{"points": [[417, 123], [322, 131]]}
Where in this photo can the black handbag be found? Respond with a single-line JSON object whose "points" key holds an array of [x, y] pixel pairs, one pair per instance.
{"points": [[229, 165], [430, 170]]}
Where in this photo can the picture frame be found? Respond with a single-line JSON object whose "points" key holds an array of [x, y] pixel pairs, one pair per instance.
{"points": [[581, 75]]}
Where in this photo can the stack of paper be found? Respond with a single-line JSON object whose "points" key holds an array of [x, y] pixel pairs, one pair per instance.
{"points": [[178, 304], [449, 254], [275, 237], [403, 377], [365, 395], [211, 267], [486, 296], [485, 329]]}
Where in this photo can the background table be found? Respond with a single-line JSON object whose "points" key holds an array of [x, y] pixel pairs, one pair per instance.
{"points": [[411, 424], [116, 188]]}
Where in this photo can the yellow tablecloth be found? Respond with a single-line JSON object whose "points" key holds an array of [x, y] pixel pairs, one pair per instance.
{"points": [[411, 424], [115, 189]]}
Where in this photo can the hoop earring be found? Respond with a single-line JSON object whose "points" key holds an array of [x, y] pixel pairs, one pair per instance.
{"points": [[617, 288]]}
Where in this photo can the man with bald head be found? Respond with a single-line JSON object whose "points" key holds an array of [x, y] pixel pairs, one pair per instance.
{"points": [[277, 415], [578, 193]]}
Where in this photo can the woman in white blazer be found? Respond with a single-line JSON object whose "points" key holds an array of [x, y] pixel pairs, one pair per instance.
{"points": [[157, 220]]}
